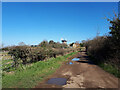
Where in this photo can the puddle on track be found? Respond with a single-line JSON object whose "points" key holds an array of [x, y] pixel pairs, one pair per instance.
{"points": [[70, 63], [57, 81], [75, 59]]}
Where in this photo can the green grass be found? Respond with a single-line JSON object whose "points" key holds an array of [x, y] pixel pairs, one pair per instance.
{"points": [[111, 69], [7, 64], [4, 52], [6, 61], [28, 77], [6, 57], [107, 67]]}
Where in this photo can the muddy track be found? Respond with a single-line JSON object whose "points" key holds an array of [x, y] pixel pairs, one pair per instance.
{"points": [[81, 74]]}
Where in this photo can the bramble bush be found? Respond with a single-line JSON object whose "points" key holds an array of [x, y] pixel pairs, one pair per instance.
{"points": [[106, 49], [26, 54]]}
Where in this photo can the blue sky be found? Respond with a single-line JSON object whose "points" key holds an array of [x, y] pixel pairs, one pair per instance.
{"points": [[33, 22]]}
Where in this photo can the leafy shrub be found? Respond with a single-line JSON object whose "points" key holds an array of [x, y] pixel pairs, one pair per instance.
{"points": [[5, 49], [27, 54], [106, 49], [44, 44], [19, 52]]}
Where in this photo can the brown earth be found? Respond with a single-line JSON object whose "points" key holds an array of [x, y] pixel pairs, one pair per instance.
{"points": [[82, 74]]}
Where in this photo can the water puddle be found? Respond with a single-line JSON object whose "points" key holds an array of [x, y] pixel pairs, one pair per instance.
{"points": [[70, 63], [57, 81], [75, 59]]}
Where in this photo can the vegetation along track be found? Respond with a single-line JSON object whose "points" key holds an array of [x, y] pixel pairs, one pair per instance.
{"points": [[29, 76], [81, 74]]}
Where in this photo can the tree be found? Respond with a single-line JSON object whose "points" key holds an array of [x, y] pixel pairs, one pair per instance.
{"points": [[51, 42], [44, 44], [115, 29], [19, 53], [64, 45], [71, 44], [81, 44]]}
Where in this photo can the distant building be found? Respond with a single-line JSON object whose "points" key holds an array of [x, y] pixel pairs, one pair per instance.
{"points": [[75, 45]]}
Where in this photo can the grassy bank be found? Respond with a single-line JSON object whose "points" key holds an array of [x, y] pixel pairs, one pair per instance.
{"points": [[105, 66], [111, 69], [29, 76]]}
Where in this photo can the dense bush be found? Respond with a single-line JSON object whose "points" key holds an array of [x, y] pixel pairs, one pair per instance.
{"points": [[19, 52], [81, 44], [115, 40], [98, 47], [52, 44], [4, 49], [27, 54], [44, 44], [106, 49]]}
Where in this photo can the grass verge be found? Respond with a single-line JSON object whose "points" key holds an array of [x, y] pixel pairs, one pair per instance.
{"points": [[111, 69], [28, 77], [106, 66]]}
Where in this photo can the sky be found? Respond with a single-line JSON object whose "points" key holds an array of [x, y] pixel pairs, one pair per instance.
{"points": [[33, 22]]}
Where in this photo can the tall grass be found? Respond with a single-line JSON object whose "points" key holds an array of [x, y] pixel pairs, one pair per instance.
{"points": [[28, 77]]}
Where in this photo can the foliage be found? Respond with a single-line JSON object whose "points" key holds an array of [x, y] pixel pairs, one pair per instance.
{"points": [[52, 44], [111, 69], [106, 66], [19, 52], [81, 44], [115, 40], [5, 49], [71, 44], [44, 44], [106, 49], [115, 29], [32, 74], [26, 54]]}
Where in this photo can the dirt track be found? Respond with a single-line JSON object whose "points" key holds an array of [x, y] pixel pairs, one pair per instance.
{"points": [[82, 74]]}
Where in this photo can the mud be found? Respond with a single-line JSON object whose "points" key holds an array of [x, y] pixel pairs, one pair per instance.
{"points": [[81, 74]]}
